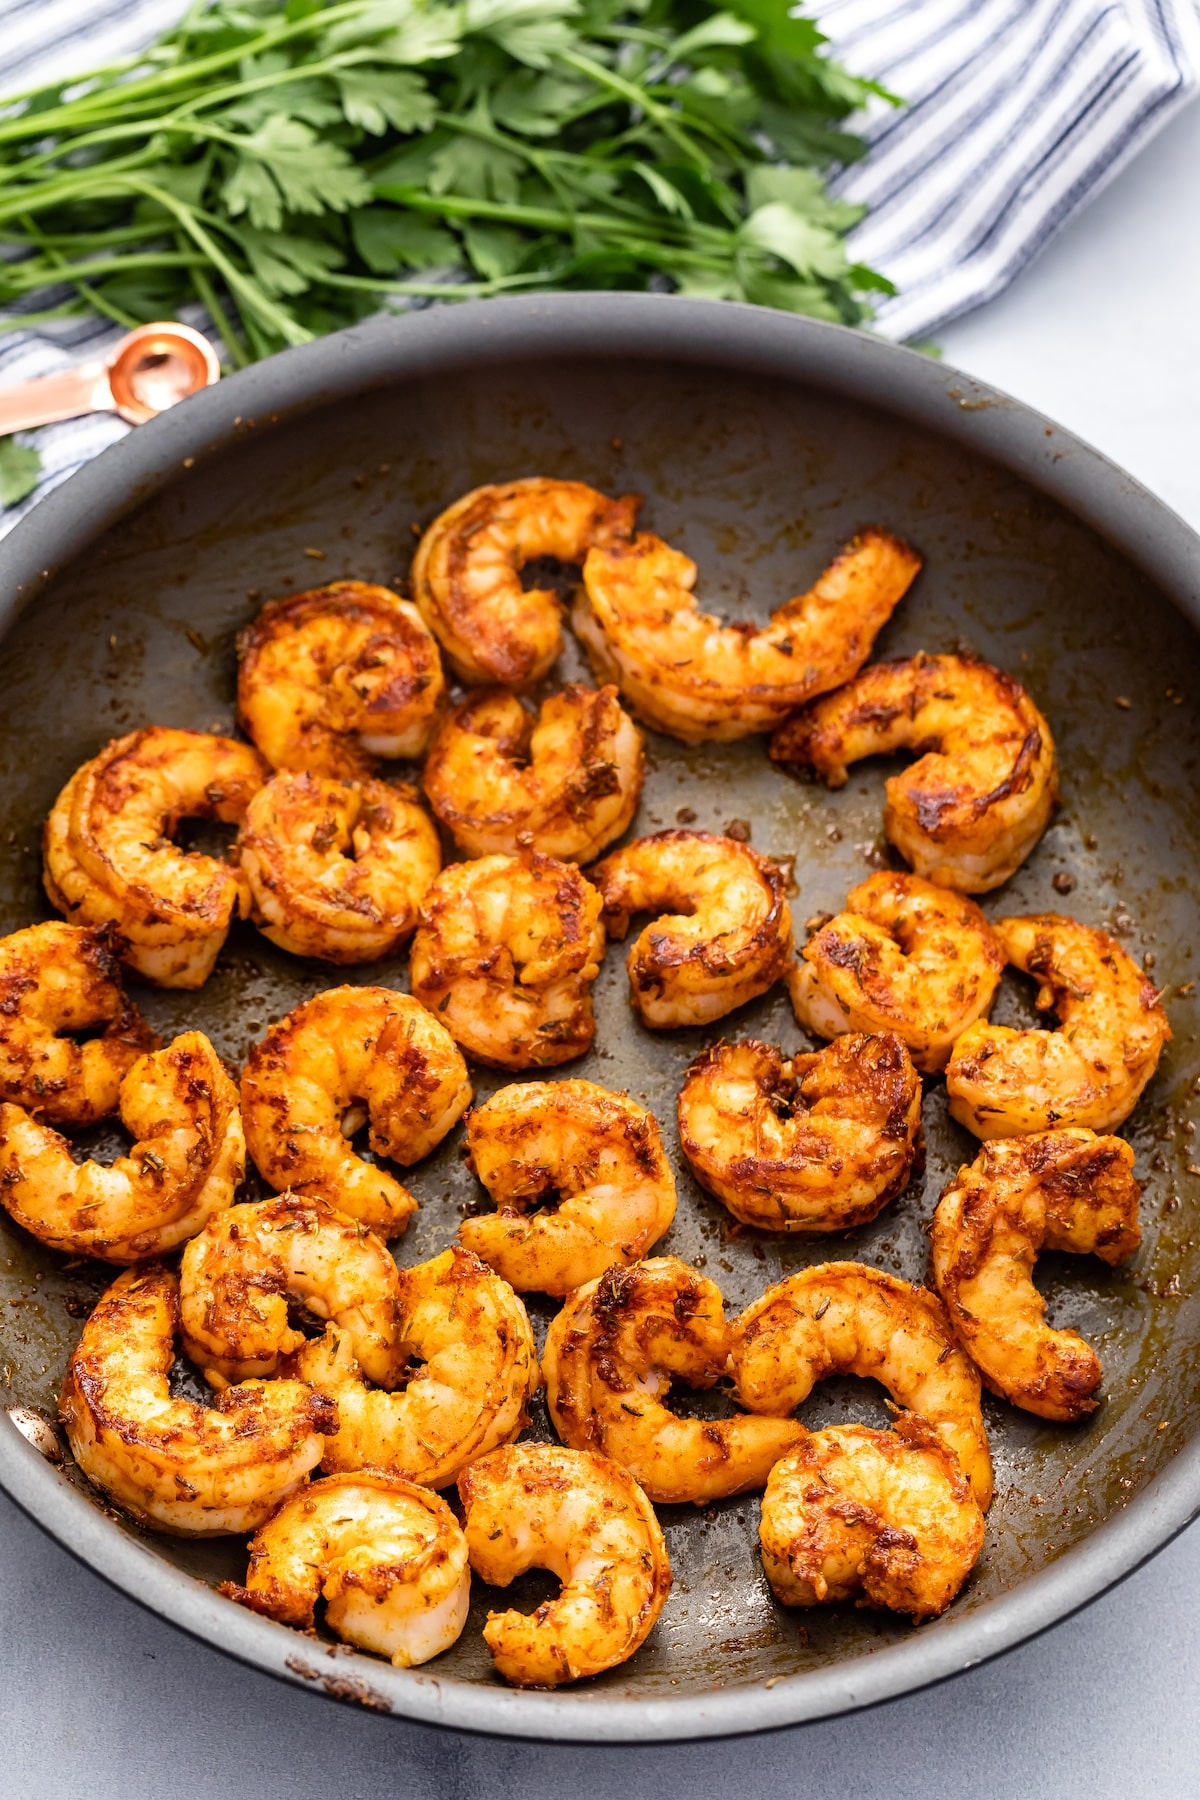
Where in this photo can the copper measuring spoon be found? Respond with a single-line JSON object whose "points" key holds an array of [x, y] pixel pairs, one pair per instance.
{"points": [[151, 369]]}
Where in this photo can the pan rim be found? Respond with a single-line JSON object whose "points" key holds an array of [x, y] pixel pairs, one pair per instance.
{"points": [[603, 326]]}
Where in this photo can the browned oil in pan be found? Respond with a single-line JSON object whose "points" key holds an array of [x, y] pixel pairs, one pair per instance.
{"points": [[761, 482]]}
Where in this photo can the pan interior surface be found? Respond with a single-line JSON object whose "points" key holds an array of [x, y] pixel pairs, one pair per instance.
{"points": [[761, 482]]}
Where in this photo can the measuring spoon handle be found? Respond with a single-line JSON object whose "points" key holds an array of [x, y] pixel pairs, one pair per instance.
{"points": [[51, 397]]}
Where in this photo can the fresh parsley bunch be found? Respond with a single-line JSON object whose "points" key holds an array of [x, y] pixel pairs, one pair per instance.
{"points": [[294, 165]]}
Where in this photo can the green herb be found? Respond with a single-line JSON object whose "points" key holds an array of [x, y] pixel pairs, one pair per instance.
{"points": [[294, 166], [20, 471]]}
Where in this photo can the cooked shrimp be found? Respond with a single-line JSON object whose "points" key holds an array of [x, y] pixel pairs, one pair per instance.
{"points": [[970, 810], [337, 869], [609, 1360], [811, 1143], [345, 1058], [56, 979], [110, 859], [686, 673], [466, 575], [387, 1557], [536, 1506], [237, 1277], [188, 1157], [566, 783], [721, 931], [173, 1464], [475, 1370], [592, 1158], [904, 956], [1092, 1070], [888, 1515], [506, 954], [842, 1318], [332, 679], [1053, 1190]]}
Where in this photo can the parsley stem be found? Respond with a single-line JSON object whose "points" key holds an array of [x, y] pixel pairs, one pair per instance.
{"points": [[95, 240], [109, 72], [107, 181], [462, 206], [64, 271], [241, 90], [123, 97], [242, 286], [637, 96], [216, 312], [20, 321], [437, 290], [25, 277]]}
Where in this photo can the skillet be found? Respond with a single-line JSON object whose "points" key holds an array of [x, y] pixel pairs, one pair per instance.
{"points": [[761, 442]]}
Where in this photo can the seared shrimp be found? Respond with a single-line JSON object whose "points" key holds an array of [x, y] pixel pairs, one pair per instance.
{"points": [[594, 1156], [887, 1515], [387, 1557], [475, 1370], [56, 979], [237, 1277], [970, 810], [506, 954], [842, 1318], [721, 931], [188, 1157], [566, 783], [904, 956], [173, 1464], [337, 869], [609, 1361], [345, 1058], [686, 673], [1053, 1190], [811, 1143], [536, 1506], [466, 575], [1092, 1070], [330, 680], [110, 859]]}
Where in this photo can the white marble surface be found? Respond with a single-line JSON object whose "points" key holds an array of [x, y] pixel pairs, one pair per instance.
{"points": [[98, 1698]]}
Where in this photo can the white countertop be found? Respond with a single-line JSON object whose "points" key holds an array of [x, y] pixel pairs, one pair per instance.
{"points": [[1103, 333], [99, 1698]]}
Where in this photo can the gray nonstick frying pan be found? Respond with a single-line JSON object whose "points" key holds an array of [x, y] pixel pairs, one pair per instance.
{"points": [[761, 442]]}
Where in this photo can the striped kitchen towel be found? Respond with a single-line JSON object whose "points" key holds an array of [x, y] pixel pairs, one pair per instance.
{"points": [[1017, 112]]}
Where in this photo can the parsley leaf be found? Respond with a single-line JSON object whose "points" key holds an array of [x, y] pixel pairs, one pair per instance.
{"points": [[474, 167], [387, 239], [722, 28], [494, 250], [377, 98], [20, 470], [402, 31], [806, 247], [536, 104], [286, 263], [309, 100], [803, 190], [532, 31], [285, 166]]}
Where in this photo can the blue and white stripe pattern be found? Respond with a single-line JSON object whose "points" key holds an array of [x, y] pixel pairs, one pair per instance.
{"points": [[1018, 111], [42, 41]]}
